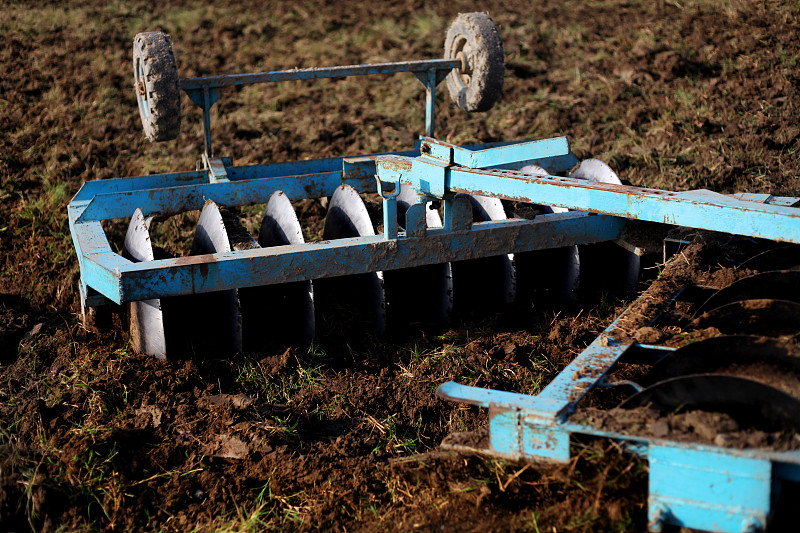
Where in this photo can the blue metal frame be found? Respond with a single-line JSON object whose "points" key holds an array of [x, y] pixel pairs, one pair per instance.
{"points": [[204, 91], [694, 485], [691, 485], [121, 280]]}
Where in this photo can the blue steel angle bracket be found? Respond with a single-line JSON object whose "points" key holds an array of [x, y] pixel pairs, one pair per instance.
{"points": [[495, 156]]}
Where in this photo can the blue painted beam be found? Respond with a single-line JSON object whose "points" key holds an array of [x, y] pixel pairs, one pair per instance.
{"points": [[175, 179], [694, 209], [296, 168], [583, 373], [271, 170], [285, 264], [480, 397], [172, 200], [496, 156]]}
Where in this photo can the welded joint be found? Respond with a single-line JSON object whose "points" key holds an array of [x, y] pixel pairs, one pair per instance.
{"points": [[659, 516], [425, 174], [216, 169], [389, 191], [432, 77], [436, 150]]}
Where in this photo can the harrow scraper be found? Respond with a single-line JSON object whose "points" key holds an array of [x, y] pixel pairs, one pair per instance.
{"points": [[449, 233]]}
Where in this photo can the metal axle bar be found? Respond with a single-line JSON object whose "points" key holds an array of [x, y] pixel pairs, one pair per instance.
{"points": [[230, 80]]}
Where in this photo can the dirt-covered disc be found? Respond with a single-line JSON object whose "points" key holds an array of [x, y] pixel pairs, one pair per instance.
{"points": [[146, 317], [749, 402], [490, 282], [286, 309], [217, 315], [785, 257], [778, 285], [770, 361], [768, 317], [348, 217], [435, 282]]}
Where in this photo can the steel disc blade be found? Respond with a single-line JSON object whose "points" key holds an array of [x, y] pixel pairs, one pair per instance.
{"points": [[749, 402], [776, 285], [488, 282], [406, 199], [534, 170], [282, 308], [210, 236], [146, 317], [404, 286], [220, 319], [548, 277], [742, 355], [753, 317], [485, 209], [348, 217], [280, 225], [606, 266], [781, 258], [597, 171]]}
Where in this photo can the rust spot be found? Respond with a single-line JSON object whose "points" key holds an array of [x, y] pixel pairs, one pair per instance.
{"points": [[495, 410], [180, 262], [395, 163]]}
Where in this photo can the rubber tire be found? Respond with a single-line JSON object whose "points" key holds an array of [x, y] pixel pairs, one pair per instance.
{"points": [[477, 34], [157, 88]]}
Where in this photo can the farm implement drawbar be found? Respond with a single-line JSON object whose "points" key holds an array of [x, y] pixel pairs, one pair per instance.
{"points": [[711, 487]]}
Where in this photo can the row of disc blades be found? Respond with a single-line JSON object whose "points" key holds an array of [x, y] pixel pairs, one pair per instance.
{"points": [[230, 321], [750, 372]]}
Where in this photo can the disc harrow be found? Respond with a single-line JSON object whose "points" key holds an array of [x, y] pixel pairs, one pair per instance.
{"points": [[461, 229], [722, 476]]}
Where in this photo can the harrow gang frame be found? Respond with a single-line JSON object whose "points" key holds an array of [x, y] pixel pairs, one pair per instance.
{"points": [[727, 490], [693, 485]]}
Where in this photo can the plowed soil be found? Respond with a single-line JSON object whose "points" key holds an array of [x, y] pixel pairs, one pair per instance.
{"points": [[345, 435]]}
